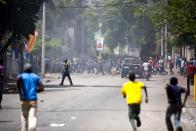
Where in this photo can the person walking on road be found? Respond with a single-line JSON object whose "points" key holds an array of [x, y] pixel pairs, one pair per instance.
{"points": [[28, 84], [1, 83], [132, 92], [171, 66], [100, 67], [175, 106], [66, 72]]}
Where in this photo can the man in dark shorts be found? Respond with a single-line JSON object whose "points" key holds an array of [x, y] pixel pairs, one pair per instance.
{"points": [[131, 90], [175, 104]]}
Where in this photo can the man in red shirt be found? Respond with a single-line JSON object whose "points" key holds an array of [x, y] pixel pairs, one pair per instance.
{"points": [[191, 71]]}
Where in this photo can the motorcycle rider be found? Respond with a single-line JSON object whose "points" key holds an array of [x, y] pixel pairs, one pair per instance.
{"points": [[100, 67], [151, 64], [147, 68]]}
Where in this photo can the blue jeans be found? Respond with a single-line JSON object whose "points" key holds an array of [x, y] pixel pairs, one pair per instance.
{"points": [[173, 109]]}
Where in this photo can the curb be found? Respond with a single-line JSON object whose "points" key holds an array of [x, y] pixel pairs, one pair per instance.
{"points": [[187, 112]]}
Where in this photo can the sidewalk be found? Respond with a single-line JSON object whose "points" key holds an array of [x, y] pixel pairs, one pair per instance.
{"points": [[190, 104]]}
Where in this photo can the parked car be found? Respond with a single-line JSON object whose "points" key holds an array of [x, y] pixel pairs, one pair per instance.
{"points": [[134, 65]]}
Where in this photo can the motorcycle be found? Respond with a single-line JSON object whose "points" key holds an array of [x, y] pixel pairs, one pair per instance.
{"points": [[147, 75]]}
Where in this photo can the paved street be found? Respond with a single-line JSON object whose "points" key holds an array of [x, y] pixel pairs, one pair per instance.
{"points": [[94, 103]]}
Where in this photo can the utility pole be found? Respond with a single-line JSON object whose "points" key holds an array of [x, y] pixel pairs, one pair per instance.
{"points": [[162, 44], [165, 41], [43, 41], [100, 26]]}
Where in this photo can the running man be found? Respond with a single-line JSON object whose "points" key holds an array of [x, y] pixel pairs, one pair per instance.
{"points": [[131, 90], [175, 104]]}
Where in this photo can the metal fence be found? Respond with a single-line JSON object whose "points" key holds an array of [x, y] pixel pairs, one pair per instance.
{"points": [[12, 68]]}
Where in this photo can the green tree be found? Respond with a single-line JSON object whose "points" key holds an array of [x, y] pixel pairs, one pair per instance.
{"points": [[180, 15], [19, 18], [59, 16], [124, 22]]}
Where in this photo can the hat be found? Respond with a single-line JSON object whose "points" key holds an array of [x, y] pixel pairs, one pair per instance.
{"points": [[27, 67]]}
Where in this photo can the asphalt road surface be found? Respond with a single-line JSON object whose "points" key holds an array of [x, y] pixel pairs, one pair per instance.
{"points": [[94, 103]]}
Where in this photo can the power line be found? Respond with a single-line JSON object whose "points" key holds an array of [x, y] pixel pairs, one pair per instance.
{"points": [[86, 6], [106, 5]]}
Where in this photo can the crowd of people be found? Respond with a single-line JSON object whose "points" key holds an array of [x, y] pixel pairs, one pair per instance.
{"points": [[91, 65], [112, 65], [184, 67]]}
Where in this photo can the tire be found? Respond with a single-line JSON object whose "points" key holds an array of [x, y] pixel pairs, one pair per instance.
{"points": [[141, 75], [122, 76]]}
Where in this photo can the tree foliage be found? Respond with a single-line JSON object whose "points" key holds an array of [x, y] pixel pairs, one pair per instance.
{"points": [[180, 16], [18, 20], [123, 22], [59, 17]]}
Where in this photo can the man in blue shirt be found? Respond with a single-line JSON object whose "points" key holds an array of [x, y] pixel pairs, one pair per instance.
{"points": [[28, 84]]}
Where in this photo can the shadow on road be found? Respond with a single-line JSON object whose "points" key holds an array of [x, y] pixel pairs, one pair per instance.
{"points": [[67, 86], [11, 108], [60, 89], [97, 110], [6, 121], [83, 110]]}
